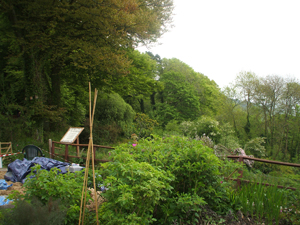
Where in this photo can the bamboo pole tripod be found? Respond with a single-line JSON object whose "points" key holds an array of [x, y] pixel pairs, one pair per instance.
{"points": [[87, 164]]}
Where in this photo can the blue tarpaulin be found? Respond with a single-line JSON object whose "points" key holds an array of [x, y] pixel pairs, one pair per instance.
{"points": [[3, 185], [4, 201], [19, 169]]}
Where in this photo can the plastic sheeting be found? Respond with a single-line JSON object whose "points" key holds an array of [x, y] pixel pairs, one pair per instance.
{"points": [[3, 185], [4, 201], [19, 169]]}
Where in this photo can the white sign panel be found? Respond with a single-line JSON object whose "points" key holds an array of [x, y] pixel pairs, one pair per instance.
{"points": [[71, 135]]}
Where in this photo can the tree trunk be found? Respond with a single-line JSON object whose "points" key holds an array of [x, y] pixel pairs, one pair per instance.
{"points": [[152, 98], [28, 76], [161, 97], [55, 98], [141, 101]]}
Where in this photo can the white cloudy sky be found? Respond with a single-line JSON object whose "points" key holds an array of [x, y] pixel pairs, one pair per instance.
{"points": [[221, 38]]}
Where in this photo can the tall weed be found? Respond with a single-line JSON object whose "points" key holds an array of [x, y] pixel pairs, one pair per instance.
{"points": [[260, 201]]}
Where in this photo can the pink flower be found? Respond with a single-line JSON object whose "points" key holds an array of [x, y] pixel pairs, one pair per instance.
{"points": [[133, 145], [221, 182]]}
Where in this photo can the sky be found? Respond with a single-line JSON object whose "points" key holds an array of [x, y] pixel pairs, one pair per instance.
{"points": [[222, 38]]}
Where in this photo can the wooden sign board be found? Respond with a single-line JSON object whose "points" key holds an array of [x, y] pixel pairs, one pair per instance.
{"points": [[71, 135]]}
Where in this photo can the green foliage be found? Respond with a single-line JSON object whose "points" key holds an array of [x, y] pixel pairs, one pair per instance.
{"points": [[173, 127], [33, 212], [140, 82], [255, 147], [46, 186], [107, 133], [205, 90], [165, 113], [134, 190], [229, 169], [75, 101], [203, 126], [144, 125], [290, 213], [260, 201], [183, 208], [8, 159], [112, 108], [113, 116], [180, 95], [189, 128], [206, 141], [209, 127], [187, 177], [227, 137], [49, 52]]}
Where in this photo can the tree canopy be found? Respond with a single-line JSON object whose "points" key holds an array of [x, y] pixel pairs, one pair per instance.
{"points": [[49, 46]]}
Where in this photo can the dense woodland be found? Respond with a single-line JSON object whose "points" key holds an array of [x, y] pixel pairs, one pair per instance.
{"points": [[50, 50]]}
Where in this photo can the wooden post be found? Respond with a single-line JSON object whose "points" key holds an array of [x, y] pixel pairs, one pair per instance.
{"points": [[52, 151], [240, 172], [50, 148], [77, 147], [67, 153]]}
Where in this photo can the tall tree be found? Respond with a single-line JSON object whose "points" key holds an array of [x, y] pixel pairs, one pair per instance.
{"points": [[89, 38], [207, 91], [180, 99], [229, 107], [247, 82], [272, 91], [141, 81], [290, 98], [158, 60]]}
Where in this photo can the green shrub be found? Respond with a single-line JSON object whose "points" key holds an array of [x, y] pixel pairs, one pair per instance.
{"points": [[261, 201], [112, 108], [228, 138], [144, 125], [203, 126], [173, 127], [209, 127], [33, 212], [255, 147], [48, 186], [113, 117], [179, 175], [134, 190]]}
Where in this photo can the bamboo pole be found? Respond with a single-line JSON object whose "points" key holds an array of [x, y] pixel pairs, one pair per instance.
{"points": [[93, 157], [84, 188]]}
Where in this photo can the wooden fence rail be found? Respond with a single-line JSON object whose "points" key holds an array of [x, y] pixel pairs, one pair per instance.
{"points": [[66, 154], [241, 159], [7, 147]]}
